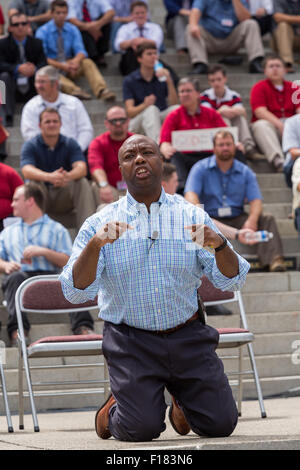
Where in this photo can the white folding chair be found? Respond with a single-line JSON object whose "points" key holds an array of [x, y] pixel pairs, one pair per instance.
{"points": [[5, 399], [234, 337], [43, 295]]}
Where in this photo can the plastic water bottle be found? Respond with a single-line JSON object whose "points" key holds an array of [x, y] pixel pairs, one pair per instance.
{"points": [[158, 65], [259, 236]]}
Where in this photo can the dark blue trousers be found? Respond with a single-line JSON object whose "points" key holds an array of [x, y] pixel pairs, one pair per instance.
{"points": [[141, 364]]}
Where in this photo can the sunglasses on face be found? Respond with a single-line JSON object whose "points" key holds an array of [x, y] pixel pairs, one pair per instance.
{"points": [[115, 121], [22, 23]]}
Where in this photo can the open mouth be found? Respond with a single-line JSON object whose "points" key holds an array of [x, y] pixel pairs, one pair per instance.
{"points": [[142, 173]]}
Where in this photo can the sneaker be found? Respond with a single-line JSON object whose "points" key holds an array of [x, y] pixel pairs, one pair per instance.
{"points": [[107, 95]]}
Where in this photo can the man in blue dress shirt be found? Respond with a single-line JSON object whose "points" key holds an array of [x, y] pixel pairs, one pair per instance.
{"points": [[65, 51], [34, 245], [223, 27], [139, 256], [224, 185]]}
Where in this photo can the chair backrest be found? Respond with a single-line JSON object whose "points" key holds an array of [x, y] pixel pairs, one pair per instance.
{"points": [[209, 293], [44, 294]]}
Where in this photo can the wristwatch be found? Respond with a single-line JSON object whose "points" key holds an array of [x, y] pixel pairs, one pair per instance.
{"points": [[224, 244], [102, 184]]}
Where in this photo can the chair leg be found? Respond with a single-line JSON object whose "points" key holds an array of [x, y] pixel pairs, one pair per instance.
{"points": [[257, 382], [5, 398], [240, 381], [30, 391], [21, 390]]}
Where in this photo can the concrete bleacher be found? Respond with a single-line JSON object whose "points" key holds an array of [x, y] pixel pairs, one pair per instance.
{"points": [[271, 300]]}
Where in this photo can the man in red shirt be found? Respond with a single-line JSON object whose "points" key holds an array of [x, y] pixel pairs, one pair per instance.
{"points": [[190, 115], [273, 100], [9, 181], [103, 156], [2, 21]]}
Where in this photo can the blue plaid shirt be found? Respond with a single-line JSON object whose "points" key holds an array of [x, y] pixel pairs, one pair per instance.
{"points": [[145, 283], [43, 232]]}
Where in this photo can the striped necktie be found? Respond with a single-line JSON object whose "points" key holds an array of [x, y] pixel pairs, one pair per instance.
{"points": [[22, 81], [85, 12], [61, 56]]}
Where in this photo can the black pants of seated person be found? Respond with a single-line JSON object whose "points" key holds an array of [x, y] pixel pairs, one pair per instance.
{"points": [[184, 163], [13, 95], [98, 48], [10, 285]]}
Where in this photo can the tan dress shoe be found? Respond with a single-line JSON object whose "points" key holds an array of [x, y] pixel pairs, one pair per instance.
{"points": [[107, 95], [177, 419], [102, 419], [277, 265]]}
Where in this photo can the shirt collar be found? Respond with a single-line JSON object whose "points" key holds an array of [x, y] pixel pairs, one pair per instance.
{"points": [[42, 142], [236, 168], [40, 220], [132, 203], [198, 110], [53, 28]]}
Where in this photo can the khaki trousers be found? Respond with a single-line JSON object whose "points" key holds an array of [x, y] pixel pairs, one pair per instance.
{"points": [[285, 41], [99, 202], [268, 139], [76, 195], [266, 252], [245, 34], [91, 72], [149, 121], [244, 132]]}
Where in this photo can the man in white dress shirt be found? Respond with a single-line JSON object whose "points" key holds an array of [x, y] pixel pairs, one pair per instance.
{"points": [[74, 117], [132, 34]]}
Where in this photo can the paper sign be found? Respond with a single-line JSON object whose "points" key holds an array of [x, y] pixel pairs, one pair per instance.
{"points": [[197, 140]]}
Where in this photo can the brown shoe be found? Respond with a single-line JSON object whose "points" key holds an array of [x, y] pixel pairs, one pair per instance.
{"points": [[277, 265], [177, 419], [102, 419], [107, 95]]}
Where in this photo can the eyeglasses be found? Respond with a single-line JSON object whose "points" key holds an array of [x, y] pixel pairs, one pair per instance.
{"points": [[116, 120], [21, 23]]}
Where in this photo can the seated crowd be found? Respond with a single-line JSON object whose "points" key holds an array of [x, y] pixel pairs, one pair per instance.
{"points": [[64, 169]]}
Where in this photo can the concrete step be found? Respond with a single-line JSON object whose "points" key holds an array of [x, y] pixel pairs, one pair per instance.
{"points": [[83, 376], [261, 323], [268, 366], [271, 181], [272, 282], [59, 400], [276, 195]]}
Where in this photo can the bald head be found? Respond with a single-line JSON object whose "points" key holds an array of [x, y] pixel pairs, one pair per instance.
{"points": [[117, 122]]}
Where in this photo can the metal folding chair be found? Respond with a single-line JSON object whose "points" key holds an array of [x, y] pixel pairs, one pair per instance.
{"points": [[234, 337], [5, 399], [43, 295]]}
